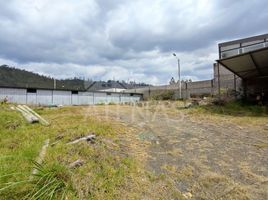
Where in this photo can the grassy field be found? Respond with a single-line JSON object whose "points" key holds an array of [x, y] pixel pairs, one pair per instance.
{"points": [[107, 173], [118, 165], [235, 112]]}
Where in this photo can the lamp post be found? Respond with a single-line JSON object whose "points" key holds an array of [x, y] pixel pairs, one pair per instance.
{"points": [[179, 74]]}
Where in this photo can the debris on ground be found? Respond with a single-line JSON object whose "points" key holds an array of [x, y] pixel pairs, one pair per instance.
{"points": [[197, 102], [57, 140], [41, 156], [41, 119], [147, 136], [219, 102], [187, 195], [188, 105], [30, 115], [90, 138], [77, 163], [27, 115], [12, 125]]}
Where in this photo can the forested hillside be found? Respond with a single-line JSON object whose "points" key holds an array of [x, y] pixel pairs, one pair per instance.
{"points": [[13, 77]]}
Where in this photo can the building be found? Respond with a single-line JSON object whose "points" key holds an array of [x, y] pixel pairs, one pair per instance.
{"points": [[245, 63], [50, 97], [241, 70], [109, 86], [23, 87]]}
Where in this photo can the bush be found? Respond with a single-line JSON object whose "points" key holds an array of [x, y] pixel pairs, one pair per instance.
{"points": [[166, 95]]}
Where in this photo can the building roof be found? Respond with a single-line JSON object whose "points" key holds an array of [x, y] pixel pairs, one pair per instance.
{"points": [[248, 39], [102, 85], [250, 65]]}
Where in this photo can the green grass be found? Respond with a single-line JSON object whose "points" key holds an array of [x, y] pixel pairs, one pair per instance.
{"points": [[51, 182], [237, 108], [235, 112], [233, 108], [19, 144], [107, 172]]}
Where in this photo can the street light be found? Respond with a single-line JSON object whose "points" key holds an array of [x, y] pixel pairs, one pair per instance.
{"points": [[179, 74]]}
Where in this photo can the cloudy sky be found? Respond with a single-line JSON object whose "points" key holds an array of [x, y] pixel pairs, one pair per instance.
{"points": [[124, 39]]}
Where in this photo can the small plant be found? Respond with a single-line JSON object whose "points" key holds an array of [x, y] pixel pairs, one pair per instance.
{"points": [[4, 101], [166, 95], [50, 182], [100, 104]]}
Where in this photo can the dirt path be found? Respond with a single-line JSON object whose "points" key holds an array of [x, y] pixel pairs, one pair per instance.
{"points": [[203, 160]]}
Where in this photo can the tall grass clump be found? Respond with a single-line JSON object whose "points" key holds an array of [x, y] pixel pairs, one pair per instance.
{"points": [[50, 182]]}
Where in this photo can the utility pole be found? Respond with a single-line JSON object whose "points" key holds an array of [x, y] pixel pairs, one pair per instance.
{"points": [[55, 84], [179, 74]]}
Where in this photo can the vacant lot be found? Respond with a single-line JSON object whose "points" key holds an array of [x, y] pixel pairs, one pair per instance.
{"points": [[154, 151]]}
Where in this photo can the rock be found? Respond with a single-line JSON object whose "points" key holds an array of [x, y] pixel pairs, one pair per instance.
{"points": [[77, 163], [139, 104], [54, 143], [187, 195], [188, 105], [89, 138], [195, 102], [59, 137]]}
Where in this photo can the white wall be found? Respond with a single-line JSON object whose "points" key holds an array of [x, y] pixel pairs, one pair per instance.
{"points": [[56, 97], [13, 95], [100, 98], [85, 98], [113, 90], [62, 97], [44, 97]]}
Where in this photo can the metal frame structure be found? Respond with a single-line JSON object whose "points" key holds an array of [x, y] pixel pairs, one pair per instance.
{"points": [[247, 73], [248, 59], [262, 38]]}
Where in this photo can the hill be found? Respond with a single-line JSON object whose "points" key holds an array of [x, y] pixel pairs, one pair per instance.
{"points": [[13, 77]]}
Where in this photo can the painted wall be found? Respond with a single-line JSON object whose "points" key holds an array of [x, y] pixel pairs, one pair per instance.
{"points": [[188, 89], [56, 97]]}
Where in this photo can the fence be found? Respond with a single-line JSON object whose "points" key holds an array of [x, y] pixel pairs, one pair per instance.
{"points": [[189, 89], [224, 84], [58, 97]]}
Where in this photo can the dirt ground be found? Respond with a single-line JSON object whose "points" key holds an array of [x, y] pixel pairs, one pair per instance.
{"points": [[201, 158]]}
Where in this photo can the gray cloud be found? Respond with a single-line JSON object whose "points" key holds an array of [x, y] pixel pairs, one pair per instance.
{"points": [[123, 39]]}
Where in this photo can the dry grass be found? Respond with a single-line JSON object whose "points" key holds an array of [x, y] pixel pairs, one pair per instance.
{"points": [[110, 170], [116, 165], [215, 186]]}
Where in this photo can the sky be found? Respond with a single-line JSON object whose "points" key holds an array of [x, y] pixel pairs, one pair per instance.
{"points": [[124, 39]]}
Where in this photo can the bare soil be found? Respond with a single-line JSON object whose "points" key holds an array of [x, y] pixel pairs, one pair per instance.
{"points": [[201, 157]]}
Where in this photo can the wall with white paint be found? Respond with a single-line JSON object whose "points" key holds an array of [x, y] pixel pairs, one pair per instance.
{"points": [[61, 97]]}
